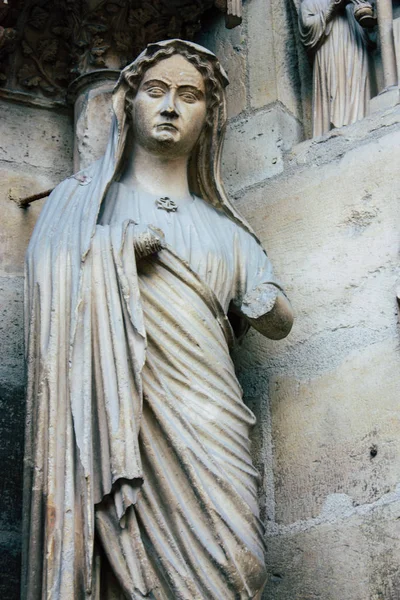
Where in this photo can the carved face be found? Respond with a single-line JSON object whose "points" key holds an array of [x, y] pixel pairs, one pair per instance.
{"points": [[169, 109]]}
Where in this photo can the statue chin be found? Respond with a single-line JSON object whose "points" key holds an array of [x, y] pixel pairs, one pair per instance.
{"points": [[167, 136]]}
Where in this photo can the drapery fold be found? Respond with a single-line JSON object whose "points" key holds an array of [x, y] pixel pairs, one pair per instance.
{"points": [[341, 83], [91, 400], [148, 447], [194, 528]]}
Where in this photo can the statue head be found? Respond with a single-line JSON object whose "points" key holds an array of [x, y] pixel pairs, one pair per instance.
{"points": [[202, 129], [175, 94], [150, 105], [168, 109]]}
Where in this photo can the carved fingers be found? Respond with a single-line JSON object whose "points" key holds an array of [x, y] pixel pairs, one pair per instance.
{"points": [[149, 242]]}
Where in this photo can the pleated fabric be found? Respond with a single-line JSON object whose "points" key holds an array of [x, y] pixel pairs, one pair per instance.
{"points": [[138, 476], [194, 532]]}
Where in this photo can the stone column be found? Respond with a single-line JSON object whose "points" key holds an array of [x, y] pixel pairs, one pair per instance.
{"points": [[91, 95], [390, 95], [385, 24]]}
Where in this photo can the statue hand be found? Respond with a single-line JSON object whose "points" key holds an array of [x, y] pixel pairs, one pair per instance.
{"points": [[340, 4], [149, 242]]}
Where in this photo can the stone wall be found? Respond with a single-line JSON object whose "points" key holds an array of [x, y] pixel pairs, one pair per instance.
{"points": [[35, 154], [327, 396]]}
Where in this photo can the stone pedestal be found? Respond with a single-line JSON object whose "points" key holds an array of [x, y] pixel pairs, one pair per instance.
{"points": [[91, 94]]}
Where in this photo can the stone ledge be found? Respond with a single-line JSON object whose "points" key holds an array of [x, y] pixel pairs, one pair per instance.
{"points": [[333, 145], [18, 97]]}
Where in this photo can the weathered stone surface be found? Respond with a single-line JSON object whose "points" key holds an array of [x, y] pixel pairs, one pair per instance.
{"points": [[18, 223], [326, 432], [352, 554], [330, 224], [262, 76], [385, 100], [272, 56], [230, 47], [331, 229], [255, 146], [35, 155], [12, 371], [34, 137], [12, 413]]}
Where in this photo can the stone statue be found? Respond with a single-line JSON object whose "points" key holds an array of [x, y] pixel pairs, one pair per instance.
{"points": [[331, 30], [138, 478]]}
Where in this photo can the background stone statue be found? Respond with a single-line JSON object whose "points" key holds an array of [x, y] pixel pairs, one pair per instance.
{"points": [[139, 481], [339, 44]]}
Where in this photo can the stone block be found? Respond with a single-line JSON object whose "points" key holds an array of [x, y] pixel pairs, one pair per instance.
{"points": [[255, 146], [12, 368], [331, 230], [36, 137], [339, 433], [261, 54], [18, 223], [351, 558], [272, 56], [230, 47]]}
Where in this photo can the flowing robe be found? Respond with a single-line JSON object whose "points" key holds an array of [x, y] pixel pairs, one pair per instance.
{"points": [[140, 469], [341, 83]]}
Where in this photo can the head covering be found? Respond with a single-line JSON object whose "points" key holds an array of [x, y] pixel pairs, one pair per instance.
{"points": [[204, 171]]}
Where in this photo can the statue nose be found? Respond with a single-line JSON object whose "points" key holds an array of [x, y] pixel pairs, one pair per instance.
{"points": [[169, 109]]}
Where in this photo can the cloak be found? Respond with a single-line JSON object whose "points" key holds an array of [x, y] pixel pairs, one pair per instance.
{"points": [[85, 351]]}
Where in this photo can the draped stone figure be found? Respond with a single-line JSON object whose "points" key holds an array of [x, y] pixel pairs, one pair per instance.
{"points": [[138, 476], [339, 45]]}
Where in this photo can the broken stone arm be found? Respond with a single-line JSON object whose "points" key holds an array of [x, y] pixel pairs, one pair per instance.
{"points": [[268, 310]]}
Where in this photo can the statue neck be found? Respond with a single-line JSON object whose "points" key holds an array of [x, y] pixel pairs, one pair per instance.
{"points": [[157, 175]]}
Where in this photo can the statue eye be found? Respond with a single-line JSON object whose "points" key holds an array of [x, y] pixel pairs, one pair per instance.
{"points": [[155, 92], [188, 97]]}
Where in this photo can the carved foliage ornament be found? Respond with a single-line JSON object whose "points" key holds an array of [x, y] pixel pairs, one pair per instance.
{"points": [[9, 11], [61, 39]]}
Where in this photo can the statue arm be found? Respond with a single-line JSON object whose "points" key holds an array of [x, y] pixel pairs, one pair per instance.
{"points": [[268, 310]]}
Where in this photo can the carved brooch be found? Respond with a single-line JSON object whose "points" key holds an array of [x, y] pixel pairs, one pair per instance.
{"points": [[166, 204]]}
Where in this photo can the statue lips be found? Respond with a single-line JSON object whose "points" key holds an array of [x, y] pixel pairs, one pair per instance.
{"points": [[167, 126]]}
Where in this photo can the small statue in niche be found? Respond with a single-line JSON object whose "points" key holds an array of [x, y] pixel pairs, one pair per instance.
{"points": [[138, 480], [336, 32]]}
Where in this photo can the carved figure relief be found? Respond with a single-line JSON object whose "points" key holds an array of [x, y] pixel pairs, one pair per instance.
{"points": [[139, 481], [336, 32]]}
